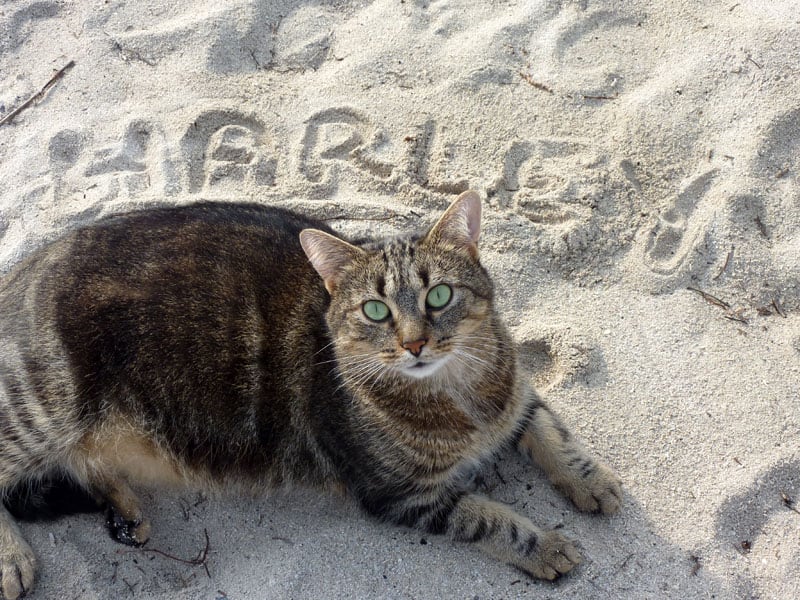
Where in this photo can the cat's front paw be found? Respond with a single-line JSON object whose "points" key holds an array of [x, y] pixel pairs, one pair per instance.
{"points": [[596, 488], [17, 569], [552, 556]]}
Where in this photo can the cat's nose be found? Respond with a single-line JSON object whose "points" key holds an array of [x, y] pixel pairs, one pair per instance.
{"points": [[415, 347]]}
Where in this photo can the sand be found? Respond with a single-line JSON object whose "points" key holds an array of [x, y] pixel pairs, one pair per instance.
{"points": [[631, 155]]}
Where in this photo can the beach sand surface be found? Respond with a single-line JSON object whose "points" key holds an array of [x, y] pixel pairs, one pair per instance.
{"points": [[631, 155]]}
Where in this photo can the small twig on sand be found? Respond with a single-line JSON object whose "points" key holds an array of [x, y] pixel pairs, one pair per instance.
{"points": [[285, 540], [130, 587], [624, 563], [750, 58], [128, 54], [761, 227], [730, 313], [711, 299], [695, 564], [539, 86], [789, 503], [201, 558], [585, 97], [727, 263], [736, 316], [37, 96], [778, 307]]}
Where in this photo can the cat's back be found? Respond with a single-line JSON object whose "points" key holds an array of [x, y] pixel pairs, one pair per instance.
{"points": [[189, 261], [189, 315], [151, 244], [194, 240]]}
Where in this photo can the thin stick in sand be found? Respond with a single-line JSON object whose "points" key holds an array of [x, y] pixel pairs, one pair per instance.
{"points": [[39, 95]]}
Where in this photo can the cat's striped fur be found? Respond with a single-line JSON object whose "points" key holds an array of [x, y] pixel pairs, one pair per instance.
{"points": [[198, 345]]}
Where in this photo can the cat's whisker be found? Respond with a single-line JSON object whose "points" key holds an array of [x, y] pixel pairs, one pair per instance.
{"points": [[343, 366], [471, 358], [379, 379], [348, 358], [497, 357], [359, 374], [359, 380], [325, 347], [355, 364]]}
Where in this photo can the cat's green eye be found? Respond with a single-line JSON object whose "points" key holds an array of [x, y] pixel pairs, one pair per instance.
{"points": [[375, 310], [439, 296]]}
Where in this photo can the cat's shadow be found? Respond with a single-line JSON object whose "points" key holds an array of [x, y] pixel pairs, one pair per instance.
{"points": [[303, 544], [752, 522]]}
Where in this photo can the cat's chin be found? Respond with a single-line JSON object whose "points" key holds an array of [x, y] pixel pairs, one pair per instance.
{"points": [[422, 369]]}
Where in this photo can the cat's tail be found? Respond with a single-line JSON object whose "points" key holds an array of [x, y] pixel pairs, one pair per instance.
{"points": [[48, 497]]}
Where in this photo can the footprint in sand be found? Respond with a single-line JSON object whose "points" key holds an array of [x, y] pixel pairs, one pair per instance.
{"points": [[303, 40], [15, 28], [681, 226], [227, 37], [539, 358], [237, 36], [556, 358], [713, 211], [779, 158], [65, 149]]}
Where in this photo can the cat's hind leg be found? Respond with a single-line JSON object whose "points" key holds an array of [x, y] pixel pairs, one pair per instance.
{"points": [[114, 455], [124, 518], [589, 483]]}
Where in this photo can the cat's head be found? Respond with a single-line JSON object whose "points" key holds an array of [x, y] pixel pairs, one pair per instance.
{"points": [[411, 305]]}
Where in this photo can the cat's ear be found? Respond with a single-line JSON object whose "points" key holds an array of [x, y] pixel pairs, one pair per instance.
{"points": [[328, 255], [460, 225]]}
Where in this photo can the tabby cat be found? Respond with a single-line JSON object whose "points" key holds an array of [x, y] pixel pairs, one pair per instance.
{"points": [[217, 344]]}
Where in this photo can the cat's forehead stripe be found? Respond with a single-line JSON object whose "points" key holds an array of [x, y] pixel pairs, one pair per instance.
{"points": [[399, 272], [423, 275]]}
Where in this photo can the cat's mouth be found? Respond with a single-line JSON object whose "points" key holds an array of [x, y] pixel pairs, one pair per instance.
{"points": [[422, 368]]}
